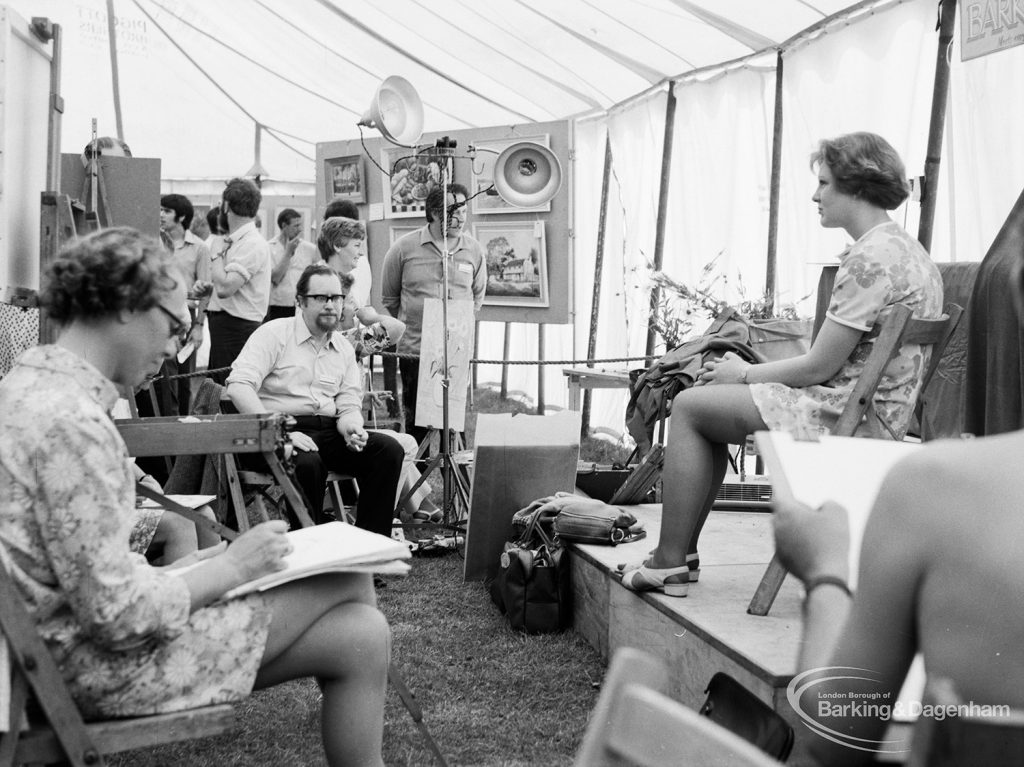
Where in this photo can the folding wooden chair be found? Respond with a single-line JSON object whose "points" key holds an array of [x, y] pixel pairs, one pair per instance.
{"points": [[59, 733], [899, 328], [995, 740], [635, 723]]}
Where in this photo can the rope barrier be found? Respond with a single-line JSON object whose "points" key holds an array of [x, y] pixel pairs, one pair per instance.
{"points": [[574, 363]]}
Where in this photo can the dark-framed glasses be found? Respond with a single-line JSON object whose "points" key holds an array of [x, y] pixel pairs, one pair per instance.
{"points": [[179, 329], [323, 298]]}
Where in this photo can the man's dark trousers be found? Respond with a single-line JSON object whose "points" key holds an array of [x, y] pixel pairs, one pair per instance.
{"points": [[377, 468]]}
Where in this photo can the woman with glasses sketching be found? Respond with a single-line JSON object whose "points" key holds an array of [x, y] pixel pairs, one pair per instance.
{"points": [[131, 639]]}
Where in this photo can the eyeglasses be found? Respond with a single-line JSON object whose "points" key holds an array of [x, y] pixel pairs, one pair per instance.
{"points": [[323, 298], [179, 329]]}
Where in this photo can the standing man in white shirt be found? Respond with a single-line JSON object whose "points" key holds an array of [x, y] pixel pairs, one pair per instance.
{"points": [[241, 276], [290, 254], [192, 257]]}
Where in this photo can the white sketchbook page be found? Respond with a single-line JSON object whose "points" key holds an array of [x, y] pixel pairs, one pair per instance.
{"points": [[329, 548], [189, 501], [849, 471]]}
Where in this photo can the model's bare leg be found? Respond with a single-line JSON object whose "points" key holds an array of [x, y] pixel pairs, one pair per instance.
{"points": [[705, 421]]}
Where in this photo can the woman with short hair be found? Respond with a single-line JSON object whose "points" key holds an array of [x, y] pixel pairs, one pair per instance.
{"points": [[860, 179], [131, 639]]}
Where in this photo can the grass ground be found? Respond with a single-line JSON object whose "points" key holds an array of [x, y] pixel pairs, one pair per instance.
{"points": [[491, 697]]}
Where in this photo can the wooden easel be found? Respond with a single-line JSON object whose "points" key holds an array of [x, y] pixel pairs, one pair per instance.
{"points": [[225, 435]]}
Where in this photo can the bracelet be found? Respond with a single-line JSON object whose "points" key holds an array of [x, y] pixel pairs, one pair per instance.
{"points": [[743, 375], [827, 580]]}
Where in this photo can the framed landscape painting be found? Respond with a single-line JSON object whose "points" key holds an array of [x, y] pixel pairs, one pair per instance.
{"points": [[346, 178], [517, 273]]}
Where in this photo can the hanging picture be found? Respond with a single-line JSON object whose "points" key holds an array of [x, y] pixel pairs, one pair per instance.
{"points": [[517, 273], [410, 174], [346, 178], [398, 232], [483, 176]]}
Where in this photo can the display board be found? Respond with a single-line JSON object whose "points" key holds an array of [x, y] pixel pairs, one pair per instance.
{"points": [[24, 106], [532, 245]]}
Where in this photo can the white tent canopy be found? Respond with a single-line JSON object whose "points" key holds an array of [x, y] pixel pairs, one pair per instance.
{"points": [[203, 84]]}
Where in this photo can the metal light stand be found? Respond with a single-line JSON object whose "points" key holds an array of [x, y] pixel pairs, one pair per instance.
{"points": [[444, 460]]}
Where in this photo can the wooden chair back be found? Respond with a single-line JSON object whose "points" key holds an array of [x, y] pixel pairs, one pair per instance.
{"points": [[634, 723], [899, 327], [60, 734], [989, 738]]}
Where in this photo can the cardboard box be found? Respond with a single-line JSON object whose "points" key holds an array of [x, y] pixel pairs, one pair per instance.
{"points": [[517, 459]]}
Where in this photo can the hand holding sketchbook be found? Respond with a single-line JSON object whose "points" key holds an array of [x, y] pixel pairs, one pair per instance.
{"points": [[849, 471], [334, 547]]}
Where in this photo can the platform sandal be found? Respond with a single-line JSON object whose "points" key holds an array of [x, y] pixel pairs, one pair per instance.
{"points": [[670, 581]]}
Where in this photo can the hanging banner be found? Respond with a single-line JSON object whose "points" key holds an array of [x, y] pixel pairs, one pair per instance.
{"points": [[987, 26], [429, 394]]}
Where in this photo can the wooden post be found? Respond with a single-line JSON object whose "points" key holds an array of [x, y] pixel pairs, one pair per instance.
{"points": [[595, 300], [940, 93], [659, 233], [506, 348], [115, 79], [540, 369], [773, 195]]}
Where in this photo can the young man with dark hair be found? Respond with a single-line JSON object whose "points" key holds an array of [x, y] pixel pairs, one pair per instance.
{"points": [[290, 254], [241, 275], [413, 273], [192, 257]]}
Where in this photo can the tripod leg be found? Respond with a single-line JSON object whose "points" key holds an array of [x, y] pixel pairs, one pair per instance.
{"points": [[409, 701]]}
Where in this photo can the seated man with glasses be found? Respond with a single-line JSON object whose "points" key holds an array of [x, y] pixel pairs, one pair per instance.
{"points": [[303, 366]]}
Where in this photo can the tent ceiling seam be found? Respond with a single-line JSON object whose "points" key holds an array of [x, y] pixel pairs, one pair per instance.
{"points": [[589, 101], [253, 61], [737, 32], [217, 85], [637, 32], [649, 74], [849, 15], [360, 67], [523, 41], [380, 38], [398, 22]]}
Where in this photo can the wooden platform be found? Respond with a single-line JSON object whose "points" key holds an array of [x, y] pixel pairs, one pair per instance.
{"points": [[707, 631]]}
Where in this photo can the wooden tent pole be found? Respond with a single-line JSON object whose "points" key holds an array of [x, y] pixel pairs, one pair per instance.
{"points": [[940, 94], [595, 299], [659, 235], [115, 79], [770, 272]]}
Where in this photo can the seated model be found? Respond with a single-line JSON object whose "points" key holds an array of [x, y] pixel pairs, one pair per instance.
{"points": [[860, 178], [131, 639]]}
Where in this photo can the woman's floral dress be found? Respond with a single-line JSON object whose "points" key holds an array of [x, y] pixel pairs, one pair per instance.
{"points": [[885, 267], [120, 630]]}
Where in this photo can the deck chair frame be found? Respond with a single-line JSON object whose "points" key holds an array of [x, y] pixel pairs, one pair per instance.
{"points": [[64, 735], [635, 723], [899, 327]]}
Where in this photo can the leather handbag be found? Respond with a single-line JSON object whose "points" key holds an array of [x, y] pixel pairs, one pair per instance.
{"points": [[596, 523], [532, 586], [738, 710]]}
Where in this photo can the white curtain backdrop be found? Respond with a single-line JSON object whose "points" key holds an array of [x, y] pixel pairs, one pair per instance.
{"points": [[875, 75]]}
